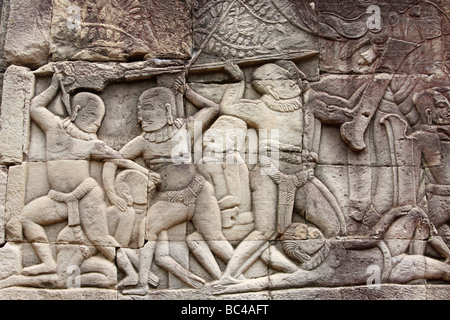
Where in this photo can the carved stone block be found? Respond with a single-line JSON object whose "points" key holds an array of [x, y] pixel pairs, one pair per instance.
{"points": [[4, 14], [27, 40], [301, 152], [17, 90], [3, 181], [120, 30]]}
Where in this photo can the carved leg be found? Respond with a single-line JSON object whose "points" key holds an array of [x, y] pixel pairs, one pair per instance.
{"points": [[265, 205], [165, 261], [200, 249], [319, 206], [160, 217], [98, 272], [38, 213], [208, 222], [123, 262], [275, 259]]}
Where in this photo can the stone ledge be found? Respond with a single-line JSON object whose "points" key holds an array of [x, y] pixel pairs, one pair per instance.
{"points": [[384, 292]]}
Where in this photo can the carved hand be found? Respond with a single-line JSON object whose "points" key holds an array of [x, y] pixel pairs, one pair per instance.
{"points": [[228, 202], [338, 110], [155, 178], [118, 202], [309, 173], [57, 78], [180, 85], [303, 177], [234, 70], [401, 211], [310, 157], [85, 251]]}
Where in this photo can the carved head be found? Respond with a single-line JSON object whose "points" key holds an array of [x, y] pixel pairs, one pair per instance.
{"points": [[131, 186], [88, 111], [156, 109], [123, 191], [276, 81], [442, 109], [433, 106], [226, 134], [305, 244]]}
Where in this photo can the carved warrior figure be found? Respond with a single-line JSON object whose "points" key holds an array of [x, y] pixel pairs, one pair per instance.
{"points": [[74, 197], [132, 187], [289, 106], [224, 147], [223, 167], [316, 260], [184, 195], [432, 140]]}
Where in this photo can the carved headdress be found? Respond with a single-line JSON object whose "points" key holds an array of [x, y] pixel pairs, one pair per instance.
{"points": [[280, 70]]}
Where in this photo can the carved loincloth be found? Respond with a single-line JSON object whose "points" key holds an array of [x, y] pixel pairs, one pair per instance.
{"points": [[281, 151], [72, 201], [287, 189], [187, 196]]}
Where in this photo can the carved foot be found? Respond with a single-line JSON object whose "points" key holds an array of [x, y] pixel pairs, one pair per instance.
{"points": [[139, 291], [43, 268], [196, 282], [129, 281], [153, 279], [221, 286]]}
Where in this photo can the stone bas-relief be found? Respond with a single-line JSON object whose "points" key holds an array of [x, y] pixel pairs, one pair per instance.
{"points": [[120, 30], [245, 170]]}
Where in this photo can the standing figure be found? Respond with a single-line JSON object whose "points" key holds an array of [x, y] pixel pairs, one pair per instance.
{"points": [[74, 195], [184, 195], [223, 166], [283, 180], [432, 140]]}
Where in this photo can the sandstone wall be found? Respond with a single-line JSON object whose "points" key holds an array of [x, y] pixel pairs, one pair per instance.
{"points": [[224, 149]]}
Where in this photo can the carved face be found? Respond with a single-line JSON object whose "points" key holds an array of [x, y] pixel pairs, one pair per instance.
{"points": [[153, 114], [301, 242], [284, 89], [214, 143], [90, 118], [442, 110], [156, 109], [227, 134]]}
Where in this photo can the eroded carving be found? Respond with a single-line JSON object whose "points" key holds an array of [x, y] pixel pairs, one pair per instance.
{"points": [[119, 30], [246, 168]]}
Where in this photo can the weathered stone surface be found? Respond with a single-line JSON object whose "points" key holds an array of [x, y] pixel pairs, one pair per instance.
{"points": [[17, 90], [120, 30], [266, 150], [3, 181], [15, 202], [27, 40], [4, 14], [394, 36], [12, 260], [69, 294]]}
